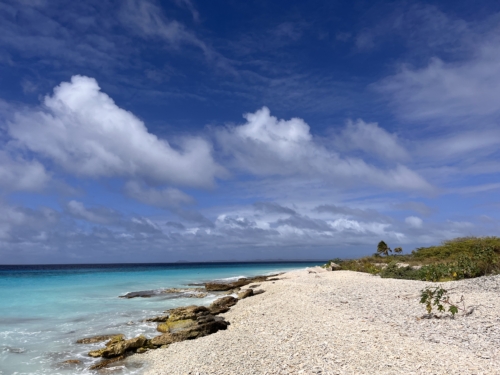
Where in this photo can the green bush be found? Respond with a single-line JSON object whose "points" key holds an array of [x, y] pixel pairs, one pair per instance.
{"points": [[434, 272], [477, 261], [460, 258], [452, 249], [360, 265], [392, 271]]}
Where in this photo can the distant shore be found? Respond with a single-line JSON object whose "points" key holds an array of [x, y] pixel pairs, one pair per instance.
{"points": [[318, 322]]}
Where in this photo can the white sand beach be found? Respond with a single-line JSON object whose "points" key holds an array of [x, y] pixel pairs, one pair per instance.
{"points": [[319, 322]]}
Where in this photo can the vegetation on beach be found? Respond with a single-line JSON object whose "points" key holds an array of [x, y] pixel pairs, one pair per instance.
{"points": [[438, 297], [456, 259]]}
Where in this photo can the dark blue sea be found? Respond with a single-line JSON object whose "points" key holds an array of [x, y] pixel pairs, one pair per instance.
{"points": [[45, 309]]}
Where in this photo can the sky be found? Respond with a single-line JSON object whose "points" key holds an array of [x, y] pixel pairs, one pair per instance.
{"points": [[182, 130]]}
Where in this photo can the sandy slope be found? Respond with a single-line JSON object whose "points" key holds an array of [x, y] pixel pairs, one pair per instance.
{"points": [[344, 323]]}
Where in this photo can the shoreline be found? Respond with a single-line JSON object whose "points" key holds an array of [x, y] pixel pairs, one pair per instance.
{"points": [[343, 322]]}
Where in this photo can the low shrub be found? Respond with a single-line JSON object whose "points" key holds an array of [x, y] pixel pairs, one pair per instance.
{"points": [[393, 271], [360, 265], [478, 261], [438, 297]]}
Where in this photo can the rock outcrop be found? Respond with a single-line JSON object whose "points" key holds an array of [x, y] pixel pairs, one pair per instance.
{"points": [[120, 347], [246, 293], [223, 286], [222, 305], [95, 339], [333, 267], [175, 292], [182, 323]]}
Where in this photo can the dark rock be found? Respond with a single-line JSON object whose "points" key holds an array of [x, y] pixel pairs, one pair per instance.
{"points": [[187, 292], [96, 353], [200, 330], [165, 339], [273, 279], [191, 322], [246, 293], [333, 267], [71, 362], [173, 326], [141, 293], [232, 291], [181, 292], [222, 305], [254, 286], [215, 286], [95, 339], [157, 319], [107, 362], [258, 291], [188, 312], [118, 348], [115, 339]]}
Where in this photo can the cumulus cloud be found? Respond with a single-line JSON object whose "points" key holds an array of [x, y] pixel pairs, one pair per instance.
{"points": [[272, 207], [266, 146], [448, 90], [47, 235], [19, 174], [82, 130], [348, 211], [100, 215], [418, 207], [166, 198], [371, 139], [414, 221]]}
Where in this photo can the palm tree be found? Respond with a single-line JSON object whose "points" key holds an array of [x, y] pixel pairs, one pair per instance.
{"points": [[398, 250], [383, 249]]}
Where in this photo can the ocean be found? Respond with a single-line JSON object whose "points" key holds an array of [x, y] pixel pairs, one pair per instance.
{"points": [[44, 310]]}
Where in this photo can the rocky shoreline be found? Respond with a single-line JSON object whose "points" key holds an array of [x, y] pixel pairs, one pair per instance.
{"points": [[319, 322], [177, 325]]}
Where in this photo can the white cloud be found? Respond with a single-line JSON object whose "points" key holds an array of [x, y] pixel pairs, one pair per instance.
{"points": [[188, 4], [85, 132], [166, 198], [450, 91], [78, 210], [18, 174], [478, 142], [371, 139], [414, 221], [267, 146]]}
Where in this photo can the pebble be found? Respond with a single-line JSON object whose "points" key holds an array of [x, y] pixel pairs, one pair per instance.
{"points": [[344, 322]]}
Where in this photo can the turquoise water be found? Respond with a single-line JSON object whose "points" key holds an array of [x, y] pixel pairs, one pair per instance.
{"points": [[45, 309]]}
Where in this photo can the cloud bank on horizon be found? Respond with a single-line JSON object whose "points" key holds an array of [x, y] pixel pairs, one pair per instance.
{"points": [[122, 138]]}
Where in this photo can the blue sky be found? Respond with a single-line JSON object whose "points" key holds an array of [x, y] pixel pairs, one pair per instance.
{"points": [[157, 131]]}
